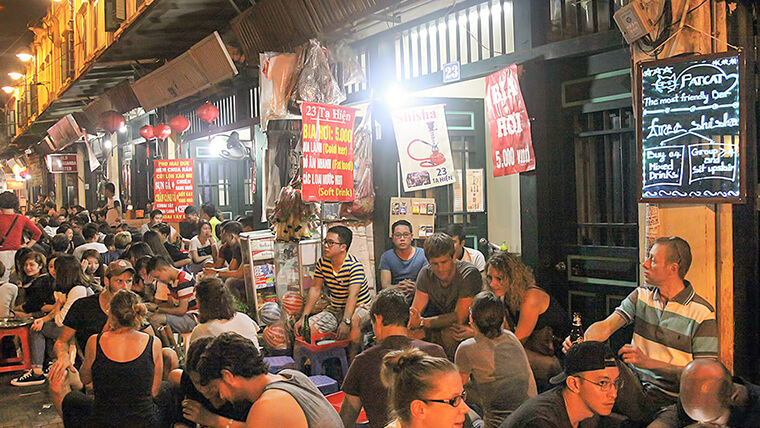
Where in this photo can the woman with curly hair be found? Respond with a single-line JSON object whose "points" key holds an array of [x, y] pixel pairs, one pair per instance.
{"points": [[536, 318]]}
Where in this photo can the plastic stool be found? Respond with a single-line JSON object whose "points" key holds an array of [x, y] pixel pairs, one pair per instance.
{"points": [[279, 363], [317, 358], [326, 385], [16, 363]]}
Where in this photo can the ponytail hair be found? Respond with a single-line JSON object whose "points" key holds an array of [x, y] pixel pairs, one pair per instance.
{"points": [[409, 375], [126, 310]]}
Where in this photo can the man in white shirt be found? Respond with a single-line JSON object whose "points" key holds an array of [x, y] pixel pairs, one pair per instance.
{"points": [[463, 253], [90, 234]]}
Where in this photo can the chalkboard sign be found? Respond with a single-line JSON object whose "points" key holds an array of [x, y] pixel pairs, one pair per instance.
{"points": [[690, 129]]}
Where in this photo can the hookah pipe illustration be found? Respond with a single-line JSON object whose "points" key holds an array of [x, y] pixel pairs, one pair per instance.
{"points": [[436, 157]]}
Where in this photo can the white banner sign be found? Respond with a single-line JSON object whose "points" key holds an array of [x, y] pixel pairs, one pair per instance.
{"points": [[423, 147]]}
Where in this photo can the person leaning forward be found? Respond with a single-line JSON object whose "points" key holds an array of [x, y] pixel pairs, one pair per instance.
{"points": [[673, 326]]}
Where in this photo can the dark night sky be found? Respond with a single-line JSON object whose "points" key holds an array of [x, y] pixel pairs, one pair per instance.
{"points": [[14, 17]]}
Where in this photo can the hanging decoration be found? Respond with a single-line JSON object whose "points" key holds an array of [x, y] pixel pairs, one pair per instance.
{"points": [[180, 125], [111, 121], [207, 112], [162, 131], [146, 132]]}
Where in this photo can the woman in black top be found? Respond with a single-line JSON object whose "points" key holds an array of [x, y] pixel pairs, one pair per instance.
{"points": [[125, 367], [537, 320]]}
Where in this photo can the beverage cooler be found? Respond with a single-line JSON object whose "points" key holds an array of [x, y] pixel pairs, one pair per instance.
{"points": [[273, 268]]}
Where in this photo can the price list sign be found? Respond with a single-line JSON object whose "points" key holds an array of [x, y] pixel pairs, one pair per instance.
{"points": [[690, 129], [174, 187], [328, 152]]}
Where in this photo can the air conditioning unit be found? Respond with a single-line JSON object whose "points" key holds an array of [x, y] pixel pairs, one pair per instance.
{"points": [[203, 65]]}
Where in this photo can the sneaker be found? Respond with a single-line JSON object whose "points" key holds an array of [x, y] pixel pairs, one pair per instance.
{"points": [[29, 379], [46, 369]]}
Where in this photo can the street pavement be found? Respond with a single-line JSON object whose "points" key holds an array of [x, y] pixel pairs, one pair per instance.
{"points": [[26, 407]]}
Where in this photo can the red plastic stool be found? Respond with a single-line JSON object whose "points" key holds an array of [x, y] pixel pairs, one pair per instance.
{"points": [[17, 363]]}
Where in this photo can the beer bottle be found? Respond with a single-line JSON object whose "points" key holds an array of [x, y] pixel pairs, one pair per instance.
{"points": [[306, 330], [576, 332]]}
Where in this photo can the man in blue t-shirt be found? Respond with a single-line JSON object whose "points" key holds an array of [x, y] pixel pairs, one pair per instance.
{"points": [[400, 265]]}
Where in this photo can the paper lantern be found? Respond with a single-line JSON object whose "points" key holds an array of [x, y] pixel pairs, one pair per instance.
{"points": [[275, 336], [111, 121], [270, 313], [292, 302], [179, 124], [147, 132], [162, 131], [207, 112]]}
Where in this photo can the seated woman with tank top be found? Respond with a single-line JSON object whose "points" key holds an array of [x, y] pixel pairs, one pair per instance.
{"points": [[538, 321]]}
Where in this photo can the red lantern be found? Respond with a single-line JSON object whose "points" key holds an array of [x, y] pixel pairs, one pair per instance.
{"points": [[207, 112], [179, 124], [111, 121], [147, 132], [162, 131]]}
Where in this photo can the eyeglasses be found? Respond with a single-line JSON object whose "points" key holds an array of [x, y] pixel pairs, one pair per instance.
{"points": [[402, 235], [606, 385], [453, 402], [327, 243]]}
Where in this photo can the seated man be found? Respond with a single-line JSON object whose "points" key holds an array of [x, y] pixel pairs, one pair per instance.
{"points": [[90, 234], [175, 297], [710, 396], [156, 217], [362, 386], [232, 365], [673, 326], [400, 265], [189, 228], [589, 386], [343, 275], [445, 289], [463, 253]]}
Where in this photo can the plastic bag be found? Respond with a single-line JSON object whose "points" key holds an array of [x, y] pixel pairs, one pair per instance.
{"points": [[316, 82], [341, 53], [363, 205], [278, 73]]}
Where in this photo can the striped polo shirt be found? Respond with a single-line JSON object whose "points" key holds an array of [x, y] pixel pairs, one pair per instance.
{"points": [[182, 288], [674, 332], [337, 283]]}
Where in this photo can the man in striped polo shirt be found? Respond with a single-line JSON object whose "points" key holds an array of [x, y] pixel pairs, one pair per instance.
{"points": [[346, 283], [672, 327]]}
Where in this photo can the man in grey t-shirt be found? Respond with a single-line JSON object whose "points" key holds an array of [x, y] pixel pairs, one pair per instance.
{"points": [[445, 289]]}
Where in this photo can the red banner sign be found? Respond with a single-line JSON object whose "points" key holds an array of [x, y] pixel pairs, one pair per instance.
{"points": [[509, 124], [174, 187], [328, 152], [61, 163]]}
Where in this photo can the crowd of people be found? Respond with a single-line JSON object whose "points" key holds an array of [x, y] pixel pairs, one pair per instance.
{"points": [[457, 340]]}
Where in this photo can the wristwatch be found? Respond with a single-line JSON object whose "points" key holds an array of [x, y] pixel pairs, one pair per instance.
{"points": [[347, 321]]}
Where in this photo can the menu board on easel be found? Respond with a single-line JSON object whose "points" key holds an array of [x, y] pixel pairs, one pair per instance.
{"points": [[420, 212], [690, 133]]}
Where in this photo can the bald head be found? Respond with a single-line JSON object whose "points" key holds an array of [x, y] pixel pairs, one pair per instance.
{"points": [[706, 390]]}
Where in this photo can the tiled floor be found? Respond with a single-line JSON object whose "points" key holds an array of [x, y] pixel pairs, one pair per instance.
{"points": [[27, 407]]}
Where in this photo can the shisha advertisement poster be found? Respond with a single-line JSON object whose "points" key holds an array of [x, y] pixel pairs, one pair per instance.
{"points": [[424, 149]]}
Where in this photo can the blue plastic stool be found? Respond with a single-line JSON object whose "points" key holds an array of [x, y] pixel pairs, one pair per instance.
{"points": [[278, 363], [301, 354], [326, 385]]}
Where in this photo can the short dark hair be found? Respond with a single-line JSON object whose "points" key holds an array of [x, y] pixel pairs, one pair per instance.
{"points": [[401, 222], [392, 306], [440, 244], [190, 210], [248, 221], [9, 200], [232, 352], [209, 209], [233, 227], [488, 314], [110, 187], [163, 229], [89, 231], [344, 234], [154, 213], [194, 354], [214, 301], [59, 243], [455, 230], [157, 263], [679, 251], [105, 228]]}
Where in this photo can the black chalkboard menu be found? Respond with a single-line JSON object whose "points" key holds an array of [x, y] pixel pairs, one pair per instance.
{"points": [[690, 131]]}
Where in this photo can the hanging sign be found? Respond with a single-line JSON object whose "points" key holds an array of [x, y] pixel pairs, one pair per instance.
{"points": [[508, 124], [328, 152], [13, 184], [690, 140], [61, 163], [423, 147], [174, 187]]}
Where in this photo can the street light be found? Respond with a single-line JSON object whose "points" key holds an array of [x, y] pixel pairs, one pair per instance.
{"points": [[8, 89], [15, 75], [24, 56]]}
